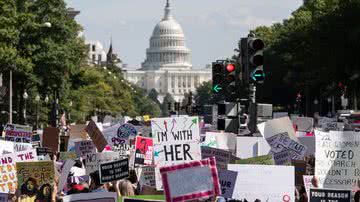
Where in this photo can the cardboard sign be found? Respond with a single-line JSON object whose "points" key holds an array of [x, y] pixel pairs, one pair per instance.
{"points": [[264, 182], [78, 132], [51, 139], [329, 195], [176, 140], [39, 174], [115, 170], [96, 136], [84, 147], [300, 170], [308, 184], [120, 135], [222, 157], [64, 174], [259, 160], [224, 141], [227, 181], [182, 184], [67, 156], [144, 150], [7, 147], [92, 197], [277, 126], [42, 151], [147, 176], [18, 133], [304, 124], [248, 147], [281, 143], [93, 161], [8, 169], [337, 159]]}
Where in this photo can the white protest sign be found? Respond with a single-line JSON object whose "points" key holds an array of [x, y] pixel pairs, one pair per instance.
{"points": [[8, 176], [227, 181], [280, 114], [309, 142], [337, 159], [264, 182], [304, 124], [84, 147], [308, 184], [64, 174], [92, 197], [277, 126], [119, 135], [147, 176], [281, 143], [224, 141], [248, 147], [222, 157], [93, 161], [176, 140]]}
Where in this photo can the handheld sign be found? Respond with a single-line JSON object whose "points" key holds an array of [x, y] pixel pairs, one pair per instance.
{"points": [[18, 133], [143, 150], [92, 197], [329, 195], [176, 140], [227, 181], [182, 184], [51, 139], [84, 147], [96, 136], [115, 170]]}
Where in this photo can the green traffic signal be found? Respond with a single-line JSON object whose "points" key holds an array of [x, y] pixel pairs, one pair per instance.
{"points": [[217, 88]]}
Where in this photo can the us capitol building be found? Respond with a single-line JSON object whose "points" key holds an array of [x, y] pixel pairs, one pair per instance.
{"points": [[167, 67]]}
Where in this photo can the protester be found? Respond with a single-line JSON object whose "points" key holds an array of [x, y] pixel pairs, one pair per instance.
{"points": [[95, 185]]}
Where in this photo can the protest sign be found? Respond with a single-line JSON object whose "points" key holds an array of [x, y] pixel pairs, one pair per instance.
{"points": [[78, 132], [18, 146], [18, 133], [304, 124], [337, 159], [125, 199], [309, 142], [64, 174], [264, 182], [114, 170], [42, 151], [96, 136], [282, 144], [248, 147], [7, 147], [308, 184], [176, 140], [227, 181], [280, 114], [4, 197], [67, 156], [222, 157], [277, 126], [300, 170], [143, 150], [329, 195], [182, 184], [92, 197], [84, 147], [78, 179], [36, 177], [64, 143], [119, 135], [224, 141], [93, 161], [259, 160], [8, 169], [147, 176], [51, 138]]}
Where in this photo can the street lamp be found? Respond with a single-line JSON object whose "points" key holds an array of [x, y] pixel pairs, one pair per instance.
{"points": [[25, 96], [37, 99], [46, 99], [70, 105]]}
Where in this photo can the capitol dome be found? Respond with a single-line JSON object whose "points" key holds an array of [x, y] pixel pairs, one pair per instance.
{"points": [[167, 46]]}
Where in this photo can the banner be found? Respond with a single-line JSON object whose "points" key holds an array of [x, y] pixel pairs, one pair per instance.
{"points": [[337, 159], [146, 176], [84, 147], [113, 171], [329, 195], [36, 177], [92, 197], [264, 182], [51, 138], [227, 181], [8, 178], [18, 133], [281, 143], [144, 150], [222, 157], [96, 136], [119, 135], [93, 161], [176, 140], [259, 160], [190, 181]]}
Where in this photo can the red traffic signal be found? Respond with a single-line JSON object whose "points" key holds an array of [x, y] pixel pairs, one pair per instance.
{"points": [[230, 67]]}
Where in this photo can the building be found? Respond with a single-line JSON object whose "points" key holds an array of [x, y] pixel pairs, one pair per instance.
{"points": [[72, 13], [167, 67], [97, 54]]}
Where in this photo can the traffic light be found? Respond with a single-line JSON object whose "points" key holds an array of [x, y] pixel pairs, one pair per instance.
{"points": [[230, 82], [252, 60], [218, 76]]}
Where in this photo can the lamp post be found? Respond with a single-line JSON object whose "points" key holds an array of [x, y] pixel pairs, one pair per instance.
{"points": [[70, 105], [37, 99], [25, 96]]}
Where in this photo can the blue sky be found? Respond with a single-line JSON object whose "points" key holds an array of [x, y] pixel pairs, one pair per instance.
{"points": [[212, 27]]}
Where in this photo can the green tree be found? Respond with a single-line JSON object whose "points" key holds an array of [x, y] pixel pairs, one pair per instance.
{"points": [[164, 106]]}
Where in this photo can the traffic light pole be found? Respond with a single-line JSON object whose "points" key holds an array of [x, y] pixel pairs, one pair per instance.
{"points": [[252, 109]]}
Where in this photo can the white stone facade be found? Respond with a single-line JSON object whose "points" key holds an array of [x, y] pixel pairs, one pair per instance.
{"points": [[97, 54], [167, 67]]}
